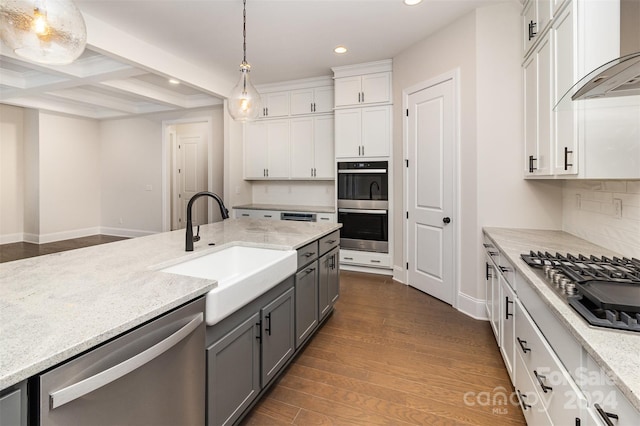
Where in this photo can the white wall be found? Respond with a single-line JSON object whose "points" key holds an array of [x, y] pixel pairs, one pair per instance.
{"points": [[131, 160], [31, 175], [69, 149], [593, 215], [11, 174], [492, 191]]}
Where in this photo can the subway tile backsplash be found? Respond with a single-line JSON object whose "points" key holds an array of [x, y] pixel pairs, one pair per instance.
{"points": [[605, 212]]}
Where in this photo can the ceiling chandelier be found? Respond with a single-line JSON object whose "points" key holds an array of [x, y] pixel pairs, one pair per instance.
{"points": [[244, 99], [43, 31]]}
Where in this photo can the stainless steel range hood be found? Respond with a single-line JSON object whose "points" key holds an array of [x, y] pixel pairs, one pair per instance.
{"points": [[620, 77]]}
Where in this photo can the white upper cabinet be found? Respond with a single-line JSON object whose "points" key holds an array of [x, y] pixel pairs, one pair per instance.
{"points": [[363, 90], [536, 16], [363, 132], [266, 150], [312, 148], [275, 105], [312, 100]]}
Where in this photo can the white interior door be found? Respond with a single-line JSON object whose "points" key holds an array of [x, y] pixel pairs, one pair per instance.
{"points": [[430, 189], [192, 175]]}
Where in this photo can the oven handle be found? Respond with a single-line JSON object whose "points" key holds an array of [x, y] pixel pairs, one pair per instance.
{"points": [[365, 171], [362, 211]]}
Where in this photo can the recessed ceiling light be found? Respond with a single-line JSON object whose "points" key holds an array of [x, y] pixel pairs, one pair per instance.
{"points": [[174, 81], [412, 2], [340, 49]]}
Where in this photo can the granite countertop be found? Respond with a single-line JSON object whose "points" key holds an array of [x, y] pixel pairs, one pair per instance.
{"points": [[615, 351], [288, 208], [57, 306]]}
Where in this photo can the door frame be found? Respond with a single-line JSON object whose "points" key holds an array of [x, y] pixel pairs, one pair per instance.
{"points": [[166, 164], [454, 76]]}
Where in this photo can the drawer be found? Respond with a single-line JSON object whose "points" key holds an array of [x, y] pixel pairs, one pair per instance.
{"points": [[530, 402], [307, 254], [601, 391], [507, 270], [365, 258], [328, 242], [490, 249], [556, 389], [568, 350]]}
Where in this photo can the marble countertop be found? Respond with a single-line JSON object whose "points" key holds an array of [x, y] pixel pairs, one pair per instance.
{"points": [[287, 208], [57, 306], [615, 351]]}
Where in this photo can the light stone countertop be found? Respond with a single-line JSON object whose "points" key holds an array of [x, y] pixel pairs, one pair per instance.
{"points": [[57, 306], [617, 352], [287, 208]]}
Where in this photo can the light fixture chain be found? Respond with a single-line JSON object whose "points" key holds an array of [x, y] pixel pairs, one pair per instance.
{"points": [[244, 31]]}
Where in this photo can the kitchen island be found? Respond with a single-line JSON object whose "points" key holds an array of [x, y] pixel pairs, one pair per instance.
{"points": [[57, 306], [616, 353]]}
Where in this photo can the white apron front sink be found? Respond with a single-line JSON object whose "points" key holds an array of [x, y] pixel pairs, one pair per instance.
{"points": [[243, 273]]}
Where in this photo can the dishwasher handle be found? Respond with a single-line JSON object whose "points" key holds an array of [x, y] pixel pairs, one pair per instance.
{"points": [[80, 389]]}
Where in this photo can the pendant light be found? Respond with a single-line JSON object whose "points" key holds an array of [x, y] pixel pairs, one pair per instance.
{"points": [[244, 99], [43, 31]]}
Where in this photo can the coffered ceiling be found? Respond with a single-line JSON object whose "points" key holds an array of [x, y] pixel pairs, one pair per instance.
{"points": [[286, 40]]}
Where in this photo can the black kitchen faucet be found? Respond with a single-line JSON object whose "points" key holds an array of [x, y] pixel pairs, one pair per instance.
{"points": [[223, 211]]}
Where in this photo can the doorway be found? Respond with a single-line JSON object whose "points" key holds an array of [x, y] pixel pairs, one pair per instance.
{"points": [[431, 140], [189, 147]]}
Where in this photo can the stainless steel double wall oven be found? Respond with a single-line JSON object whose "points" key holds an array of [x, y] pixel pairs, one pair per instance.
{"points": [[363, 205]]}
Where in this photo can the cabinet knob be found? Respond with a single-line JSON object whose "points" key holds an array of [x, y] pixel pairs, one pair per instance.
{"points": [[446, 220]]}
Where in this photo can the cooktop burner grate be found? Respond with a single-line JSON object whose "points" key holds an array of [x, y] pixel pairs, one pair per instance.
{"points": [[605, 291]]}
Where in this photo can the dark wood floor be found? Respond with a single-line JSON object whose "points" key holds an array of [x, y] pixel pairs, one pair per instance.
{"points": [[392, 355], [16, 251]]}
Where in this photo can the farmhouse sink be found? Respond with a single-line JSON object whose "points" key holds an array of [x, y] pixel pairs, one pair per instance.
{"points": [[243, 273]]}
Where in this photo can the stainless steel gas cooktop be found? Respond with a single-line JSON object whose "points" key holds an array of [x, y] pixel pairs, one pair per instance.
{"points": [[604, 291]]}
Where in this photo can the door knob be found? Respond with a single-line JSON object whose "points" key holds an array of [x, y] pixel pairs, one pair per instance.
{"points": [[446, 220]]}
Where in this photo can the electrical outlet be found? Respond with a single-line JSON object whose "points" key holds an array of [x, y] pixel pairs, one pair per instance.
{"points": [[617, 208], [578, 201]]}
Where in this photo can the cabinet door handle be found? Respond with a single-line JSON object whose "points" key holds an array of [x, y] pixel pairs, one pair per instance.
{"points": [[488, 275], [493, 253], [504, 269], [532, 29], [103, 378], [566, 158], [259, 336], [309, 270], [540, 378], [359, 93], [521, 397], [362, 96], [522, 345], [606, 416], [506, 308], [268, 327], [531, 167], [485, 245]]}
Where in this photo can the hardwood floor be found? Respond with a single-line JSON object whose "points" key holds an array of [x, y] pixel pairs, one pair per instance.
{"points": [[391, 355], [16, 251]]}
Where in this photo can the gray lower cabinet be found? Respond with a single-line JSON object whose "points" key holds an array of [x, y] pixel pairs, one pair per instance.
{"points": [[329, 281], [13, 405], [306, 302], [278, 336], [233, 372]]}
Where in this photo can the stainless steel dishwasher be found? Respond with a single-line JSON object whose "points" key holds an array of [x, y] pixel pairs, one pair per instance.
{"points": [[154, 375]]}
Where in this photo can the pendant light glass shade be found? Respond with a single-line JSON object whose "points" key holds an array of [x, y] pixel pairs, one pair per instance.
{"points": [[244, 99], [43, 31]]}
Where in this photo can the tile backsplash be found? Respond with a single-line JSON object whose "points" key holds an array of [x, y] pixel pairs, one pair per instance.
{"points": [[605, 212]]}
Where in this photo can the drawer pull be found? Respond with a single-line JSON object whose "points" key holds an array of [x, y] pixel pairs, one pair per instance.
{"points": [[493, 253], [487, 273], [606, 416], [504, 269], [506, 308], [348, 258], [308, 254], [524, 405], [375, 261], [485, 245], [540, 378], [330, 241], [522, 345]]}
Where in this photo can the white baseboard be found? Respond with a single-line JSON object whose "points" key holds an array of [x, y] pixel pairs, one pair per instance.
{"points": [[400, 274], [12, 238], [124, 232], [475, 308], [60, 236]]}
